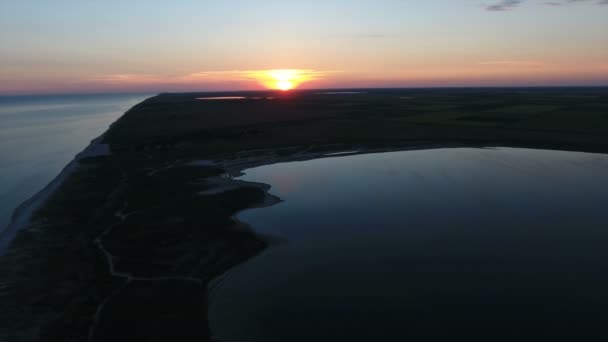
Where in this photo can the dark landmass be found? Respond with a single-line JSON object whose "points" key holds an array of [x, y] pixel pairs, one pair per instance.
{"points": [[127, 247]]}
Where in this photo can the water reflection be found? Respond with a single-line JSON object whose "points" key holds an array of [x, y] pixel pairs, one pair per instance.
{"points": [[488, 243]]}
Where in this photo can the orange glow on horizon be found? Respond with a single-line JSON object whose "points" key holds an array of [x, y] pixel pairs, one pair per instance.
{"points": [[474, 73], [282, 79], [284, 85]]}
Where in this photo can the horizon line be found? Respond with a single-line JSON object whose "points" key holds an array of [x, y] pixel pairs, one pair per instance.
{"points": [[294, 90]]}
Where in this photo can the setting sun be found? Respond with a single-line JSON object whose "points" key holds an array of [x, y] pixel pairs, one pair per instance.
{"points": [[284, 85], [282, 79], [285, 79]]}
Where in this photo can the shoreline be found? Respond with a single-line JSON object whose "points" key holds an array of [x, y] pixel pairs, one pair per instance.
{"points": [[221, 185], [121, 242], [22, 215], [234, 167], [248, 159]]}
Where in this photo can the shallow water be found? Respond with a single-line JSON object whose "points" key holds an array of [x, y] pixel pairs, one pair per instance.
{"points": [[487, 243], [39, 135]]}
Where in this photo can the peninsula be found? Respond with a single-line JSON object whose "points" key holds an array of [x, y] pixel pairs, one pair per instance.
{"points": [[125, 244]]}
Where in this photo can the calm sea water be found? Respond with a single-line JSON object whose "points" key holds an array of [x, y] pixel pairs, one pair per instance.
{"points": [[39, 135], [492, 244]]}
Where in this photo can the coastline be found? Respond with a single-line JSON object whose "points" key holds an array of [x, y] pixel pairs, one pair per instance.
{"points": [[122, 241], [22, 215], [234, 166]]}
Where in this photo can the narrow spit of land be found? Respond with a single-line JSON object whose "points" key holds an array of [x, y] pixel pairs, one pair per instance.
{"points": [[125, 249]]}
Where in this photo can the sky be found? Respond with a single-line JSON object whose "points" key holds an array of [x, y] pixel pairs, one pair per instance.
{"points": [[64, 46]]}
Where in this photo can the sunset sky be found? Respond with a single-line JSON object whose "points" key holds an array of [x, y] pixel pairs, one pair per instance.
{"points": [[145, 45]]}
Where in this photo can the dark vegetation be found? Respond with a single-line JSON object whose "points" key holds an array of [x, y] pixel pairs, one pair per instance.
{"points": [[573, 118], [139, 213]]}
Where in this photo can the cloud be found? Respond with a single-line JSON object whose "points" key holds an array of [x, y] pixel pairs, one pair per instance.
{"points": [[127, 78], [245, 75], [214, 75], [228, 79], [515, 64], [506, 5], [599, 2]]}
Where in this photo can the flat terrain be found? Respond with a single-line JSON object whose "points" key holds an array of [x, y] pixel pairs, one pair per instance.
{"points": [[126, 249], [574, 118]]}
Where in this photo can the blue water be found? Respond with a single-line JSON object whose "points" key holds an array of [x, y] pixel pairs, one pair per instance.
{"points": [[433, 245], [39, 135]]}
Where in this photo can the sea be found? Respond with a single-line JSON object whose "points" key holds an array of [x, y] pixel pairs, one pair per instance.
{"points": [[40, 134]]}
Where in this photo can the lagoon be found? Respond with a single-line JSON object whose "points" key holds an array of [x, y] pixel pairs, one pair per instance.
{"points": [[495, 243]]}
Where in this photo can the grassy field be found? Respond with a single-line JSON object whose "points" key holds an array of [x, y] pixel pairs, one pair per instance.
{"points": [[530, 117], [127, 247]]}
